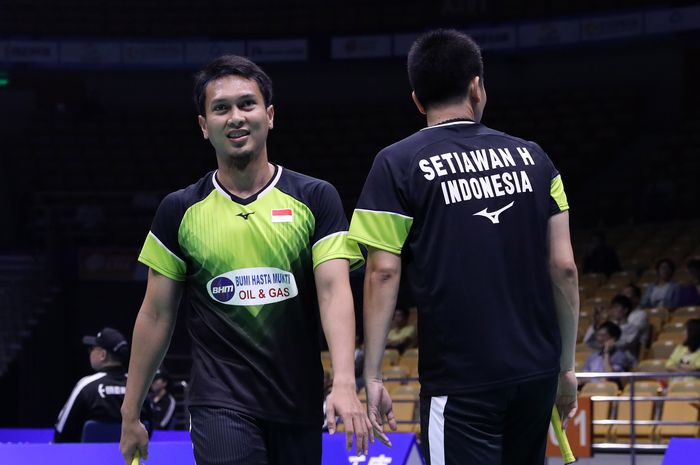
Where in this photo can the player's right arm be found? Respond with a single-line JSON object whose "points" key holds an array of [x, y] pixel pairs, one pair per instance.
{"points": [[152, 332], [564, 275], [381, 289]]}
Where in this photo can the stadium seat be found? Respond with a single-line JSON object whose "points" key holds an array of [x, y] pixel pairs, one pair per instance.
{"points": [[399, 375], [601, 409], [404, 406], [409, 360], [674, 326], [684, 384], [682, 320], [99, 431], [390, 358], [326, 361], [621, 278], [691, 311], [682, 410], [675, 337], [651, 365], [643, 410], [661, 349], [591, 280]]}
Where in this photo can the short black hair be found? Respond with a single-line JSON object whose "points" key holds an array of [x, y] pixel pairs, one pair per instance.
{"points": [[613, 330], [667, 261], [230, 65], [624, 301], [692, 342], [441, 64], [635, 290]]}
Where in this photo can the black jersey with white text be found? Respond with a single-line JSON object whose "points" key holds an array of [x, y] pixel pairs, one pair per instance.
{"points": [[468, 208]]}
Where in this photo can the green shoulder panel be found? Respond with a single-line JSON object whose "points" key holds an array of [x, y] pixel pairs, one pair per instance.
{"points": [[383, 230], [334, 246], [556, 190], [155, 255]]}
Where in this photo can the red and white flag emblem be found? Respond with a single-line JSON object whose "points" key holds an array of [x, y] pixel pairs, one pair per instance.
{"points": [[283, 215]]}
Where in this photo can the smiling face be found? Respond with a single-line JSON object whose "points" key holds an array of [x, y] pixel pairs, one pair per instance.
{"points": [[236, 120]]}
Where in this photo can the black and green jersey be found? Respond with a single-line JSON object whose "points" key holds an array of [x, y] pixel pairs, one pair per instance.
{"points": [[468, 209], [248, 267]]}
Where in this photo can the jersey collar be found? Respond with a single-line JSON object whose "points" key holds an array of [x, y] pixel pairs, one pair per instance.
{"points": [[449, 123], [267, 188]]}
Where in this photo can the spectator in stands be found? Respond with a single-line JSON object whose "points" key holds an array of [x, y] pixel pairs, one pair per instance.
{"points": [[664, 292], [638, 316], [686, 356], [629, 340], [600, 257], [162, 402], [401, 335], [600, 315], [689, 293], [608, 358], [98, 396]]}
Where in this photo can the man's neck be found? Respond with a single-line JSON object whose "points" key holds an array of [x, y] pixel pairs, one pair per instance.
{"points": [[451, 112], [245, 181]]}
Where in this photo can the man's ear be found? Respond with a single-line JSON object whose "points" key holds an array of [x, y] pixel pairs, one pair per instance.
{"points": [[419, 105]]}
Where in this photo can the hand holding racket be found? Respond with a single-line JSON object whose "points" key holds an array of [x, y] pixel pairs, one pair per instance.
{"points": [[563, 441]]}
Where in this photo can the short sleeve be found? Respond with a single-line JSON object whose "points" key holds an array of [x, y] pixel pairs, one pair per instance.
{"points": [[382, 218], [161, 250], [330, 237]]}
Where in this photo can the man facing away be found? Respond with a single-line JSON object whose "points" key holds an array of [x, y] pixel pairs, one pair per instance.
{"points": [[481, 219], [99, 396], [249, 242]]}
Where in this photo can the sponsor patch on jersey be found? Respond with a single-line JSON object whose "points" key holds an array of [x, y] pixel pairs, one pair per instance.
{"points": [[282, 215], [253, 286]]}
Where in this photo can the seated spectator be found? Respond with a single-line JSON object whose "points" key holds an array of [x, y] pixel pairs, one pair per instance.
{"points": [[162, 402], [609, 358], [97, 397], [401, 335], [686, 357], [600, 315], [664, 292], [620, 309], [600, 257], [638, 316], [689, 293]]}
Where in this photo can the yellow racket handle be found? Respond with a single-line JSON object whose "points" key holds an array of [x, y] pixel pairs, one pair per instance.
{"points": [[563, 441]]}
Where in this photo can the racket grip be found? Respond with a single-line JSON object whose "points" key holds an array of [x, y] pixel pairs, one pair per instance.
{"points": [[135, 460], [566, 453]]}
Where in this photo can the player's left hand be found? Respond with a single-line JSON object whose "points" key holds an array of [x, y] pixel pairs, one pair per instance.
{"points": [[343, 401]]}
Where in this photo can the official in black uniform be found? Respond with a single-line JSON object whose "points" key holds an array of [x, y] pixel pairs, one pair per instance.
{"points": [[162, 402], [98, 396]]}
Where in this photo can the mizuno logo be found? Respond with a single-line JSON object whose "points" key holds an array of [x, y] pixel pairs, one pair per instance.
{"points": [[245, 215], [493, 216]]}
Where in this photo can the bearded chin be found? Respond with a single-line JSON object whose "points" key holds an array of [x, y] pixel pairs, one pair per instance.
{"points": [[240, 162]]}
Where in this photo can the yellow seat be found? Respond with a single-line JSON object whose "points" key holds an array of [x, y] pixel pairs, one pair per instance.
{"points": [[683, 384], [681, 320], [675, 337], [326, 361], [661, 349], [394, 376], [652, 365], [404, 407], [674, 326], [391, 357], [681, 410], [693, 312], [643, 410], [621, 278], [591, 280], [409, 360], [601, 409]]}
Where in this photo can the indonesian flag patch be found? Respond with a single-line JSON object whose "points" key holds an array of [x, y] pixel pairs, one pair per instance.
{"points": [[283, 215]]}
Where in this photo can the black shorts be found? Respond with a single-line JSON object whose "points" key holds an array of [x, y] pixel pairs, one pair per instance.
{"points": [[222, 436], [506, 426]]}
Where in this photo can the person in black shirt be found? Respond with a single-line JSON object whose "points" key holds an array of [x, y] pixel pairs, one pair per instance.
{"points": [[480, 218], [162, 402], [98, 396]]}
